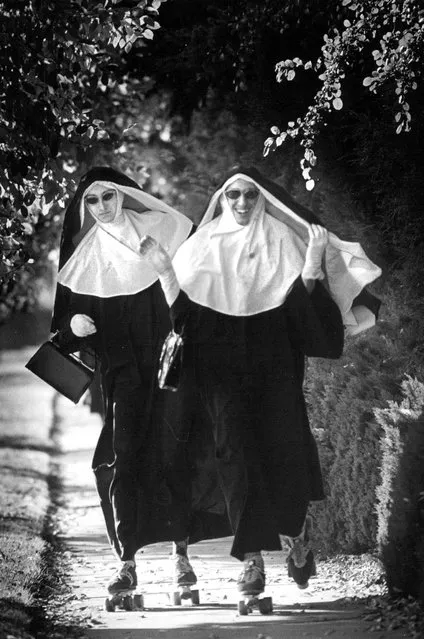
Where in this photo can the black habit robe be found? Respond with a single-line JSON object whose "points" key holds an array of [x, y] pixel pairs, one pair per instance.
{"points": [[242, 430]]}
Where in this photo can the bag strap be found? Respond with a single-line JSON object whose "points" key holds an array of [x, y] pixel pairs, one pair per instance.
{"points": [[79, 359]]}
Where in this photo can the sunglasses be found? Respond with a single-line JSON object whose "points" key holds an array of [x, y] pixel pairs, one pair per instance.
{"points": [[234, 194], [94, 199]]}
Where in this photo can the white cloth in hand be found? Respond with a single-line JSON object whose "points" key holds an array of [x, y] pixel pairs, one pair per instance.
{"points": [[82, 325]]}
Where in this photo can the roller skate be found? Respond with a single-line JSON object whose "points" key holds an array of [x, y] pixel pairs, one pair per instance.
{"points": [[184, 579], [251, 584], [300, 560], [122, 587]]}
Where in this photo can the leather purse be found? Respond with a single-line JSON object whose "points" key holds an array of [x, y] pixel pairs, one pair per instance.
{"points": [[64, 372], [170, 362]]}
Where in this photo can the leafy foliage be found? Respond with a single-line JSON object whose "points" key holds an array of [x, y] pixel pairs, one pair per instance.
{"points": [[341, 397], [385, 39], [400, 494], [227, 49], [59, 59]]}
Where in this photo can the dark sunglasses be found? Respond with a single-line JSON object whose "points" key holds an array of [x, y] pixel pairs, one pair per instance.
{"points": [[234, 194], [94, 199]]}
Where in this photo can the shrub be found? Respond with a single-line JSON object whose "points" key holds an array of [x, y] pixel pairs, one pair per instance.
{"points": [[400, 493], [341, 397]]}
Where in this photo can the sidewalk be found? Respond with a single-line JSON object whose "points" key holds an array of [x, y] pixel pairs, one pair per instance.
{"points": [[321, 611]]}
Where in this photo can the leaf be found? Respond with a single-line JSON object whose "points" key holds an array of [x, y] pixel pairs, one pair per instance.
{"points": [[29, 198], [291, 75], [368, 81], [148, 33], [310, 185], [338, 104]]}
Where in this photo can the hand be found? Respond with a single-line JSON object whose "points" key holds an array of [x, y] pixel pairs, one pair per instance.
{"points": [[156, 256], [82, 325], [318, 240]]}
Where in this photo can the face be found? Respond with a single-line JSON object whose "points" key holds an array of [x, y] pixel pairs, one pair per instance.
{"points": [[242, 196], [101, 202]]}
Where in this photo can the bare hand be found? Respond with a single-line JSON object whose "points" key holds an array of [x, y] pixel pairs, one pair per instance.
{"points": [[82, 325], [155, 254]]}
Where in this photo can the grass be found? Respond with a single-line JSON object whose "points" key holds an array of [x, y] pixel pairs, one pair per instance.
{"points": [[23, 506], [25, 443]]}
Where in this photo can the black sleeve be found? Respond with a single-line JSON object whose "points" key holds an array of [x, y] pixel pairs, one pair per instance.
{"points": [[314, 320]]}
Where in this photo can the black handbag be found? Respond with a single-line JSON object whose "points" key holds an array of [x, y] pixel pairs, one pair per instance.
{"points": [[65, 372], [170, 362]]}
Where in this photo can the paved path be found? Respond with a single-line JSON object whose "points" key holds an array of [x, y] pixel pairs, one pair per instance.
{"points": [[320, 611]]}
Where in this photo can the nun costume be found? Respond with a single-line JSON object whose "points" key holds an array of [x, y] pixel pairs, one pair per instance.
{"points": [[257, 288], [109, 299]]}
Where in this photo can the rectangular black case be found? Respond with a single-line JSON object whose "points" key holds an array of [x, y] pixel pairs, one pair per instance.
{"points": [[65, 373]]}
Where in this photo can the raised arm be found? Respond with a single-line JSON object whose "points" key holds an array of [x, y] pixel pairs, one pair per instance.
{"points": [[312, 271], [315, 321], [160, 262]]}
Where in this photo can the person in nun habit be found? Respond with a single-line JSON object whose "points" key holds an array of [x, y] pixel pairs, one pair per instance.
{"points": [[109, 299], [260, 285]]}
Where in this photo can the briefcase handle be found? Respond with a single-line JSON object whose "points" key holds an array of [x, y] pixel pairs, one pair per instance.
{"points": [[73, 355]]}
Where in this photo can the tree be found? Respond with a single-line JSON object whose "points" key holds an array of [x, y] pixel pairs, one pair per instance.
{"points": [[59, 58], [385, 40], [229, 47]]}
